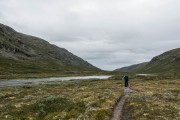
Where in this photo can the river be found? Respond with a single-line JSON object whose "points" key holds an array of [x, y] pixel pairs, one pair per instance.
{"points": [[18, 82]]}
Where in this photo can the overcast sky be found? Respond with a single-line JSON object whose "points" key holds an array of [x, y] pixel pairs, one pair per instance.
{"points": [[107, 33]]}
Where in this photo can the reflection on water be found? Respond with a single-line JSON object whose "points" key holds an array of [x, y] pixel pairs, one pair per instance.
{"points": [[5, 83], [146, 75]]}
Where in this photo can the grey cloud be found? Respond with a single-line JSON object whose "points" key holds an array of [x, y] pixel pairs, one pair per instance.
{"points": [[109, 34]]}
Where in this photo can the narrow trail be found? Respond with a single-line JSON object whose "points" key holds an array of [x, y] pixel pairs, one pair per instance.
{"points": [[118, 110]]}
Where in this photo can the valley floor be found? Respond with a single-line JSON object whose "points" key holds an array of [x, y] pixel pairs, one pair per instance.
{"points": [[88, 99], [91, 100], [154, 100]]}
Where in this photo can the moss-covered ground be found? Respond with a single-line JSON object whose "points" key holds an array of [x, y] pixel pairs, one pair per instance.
{"points": [[81, 99], [154, 100]]}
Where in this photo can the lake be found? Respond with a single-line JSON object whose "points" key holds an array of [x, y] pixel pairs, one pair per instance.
{"points": [[146, 75], [17, 82]]}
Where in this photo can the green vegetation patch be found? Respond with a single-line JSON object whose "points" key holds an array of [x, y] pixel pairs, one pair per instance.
{"points": [[80, 99], [155, 100]]}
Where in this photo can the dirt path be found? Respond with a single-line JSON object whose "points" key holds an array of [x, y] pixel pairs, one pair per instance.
{"points": [[117, 112]]}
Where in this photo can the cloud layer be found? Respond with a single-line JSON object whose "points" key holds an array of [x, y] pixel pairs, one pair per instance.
{"points": [[108, 34]]}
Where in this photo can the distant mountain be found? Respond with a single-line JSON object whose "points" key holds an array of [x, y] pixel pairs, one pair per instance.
{"points": [[20, 54], [168, 62], [132, 68]]}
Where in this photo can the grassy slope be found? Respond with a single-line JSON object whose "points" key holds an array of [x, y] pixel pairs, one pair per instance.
{"points": [[132, 68], [168, 62], [24, 54]]}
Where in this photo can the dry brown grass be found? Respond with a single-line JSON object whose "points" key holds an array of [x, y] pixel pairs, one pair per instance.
{"points": [[90, 99], [155, 100]]}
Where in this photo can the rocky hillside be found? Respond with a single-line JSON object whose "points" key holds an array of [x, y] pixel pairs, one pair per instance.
{"points": [[20, 53], [132, 68]]}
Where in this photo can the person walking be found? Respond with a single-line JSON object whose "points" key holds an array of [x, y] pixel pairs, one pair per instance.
{"points": [[126, 79]]}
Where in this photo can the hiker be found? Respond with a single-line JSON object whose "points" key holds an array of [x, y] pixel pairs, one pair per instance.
{"points": [[125, 78]]}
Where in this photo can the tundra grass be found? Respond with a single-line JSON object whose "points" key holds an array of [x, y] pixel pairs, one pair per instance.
{"points": [[80, 99], [154, 100]]}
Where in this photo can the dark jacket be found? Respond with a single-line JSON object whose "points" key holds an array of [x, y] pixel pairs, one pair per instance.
{"points": [[126, 78]]}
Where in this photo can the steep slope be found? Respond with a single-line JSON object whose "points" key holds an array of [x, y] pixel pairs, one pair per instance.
{"points": [[168, 62], [20, 53], [132, 68]]}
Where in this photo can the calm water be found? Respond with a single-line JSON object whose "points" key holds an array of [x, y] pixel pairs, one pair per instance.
{"points": [[5, 83], [146, 75]]}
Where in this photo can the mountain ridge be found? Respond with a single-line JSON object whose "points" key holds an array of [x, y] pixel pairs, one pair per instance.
{"points": [[167, 62], [132, 68], [35, 54]]}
